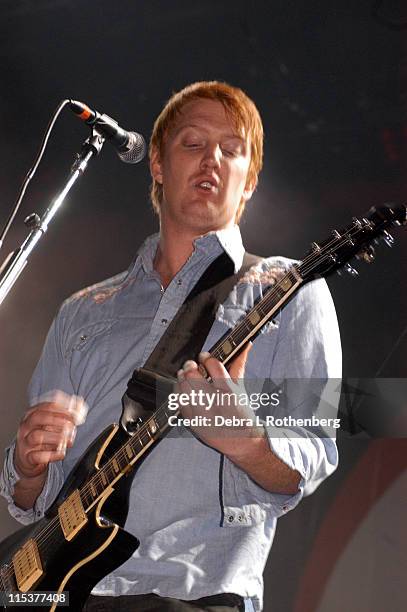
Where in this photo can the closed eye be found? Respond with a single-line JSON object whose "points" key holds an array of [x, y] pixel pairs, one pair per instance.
{"points": [[230, 152]]}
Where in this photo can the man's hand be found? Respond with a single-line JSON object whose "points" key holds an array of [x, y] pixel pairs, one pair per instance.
{"points": [[45, 432], [232, 440], [245, 444]]}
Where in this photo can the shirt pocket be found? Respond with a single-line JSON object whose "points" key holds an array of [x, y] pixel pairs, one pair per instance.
{"points": [[87, 353]]}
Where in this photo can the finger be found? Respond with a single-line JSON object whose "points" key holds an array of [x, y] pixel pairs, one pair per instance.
{"points": [[71, 407], [216, 370], [43, 457], [39, 437], [190, 378], [189, 371], [47, 420], [238, 365]]}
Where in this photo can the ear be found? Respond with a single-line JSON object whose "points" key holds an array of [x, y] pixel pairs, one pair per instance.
{"points": [[155, 166], [249, 189]]}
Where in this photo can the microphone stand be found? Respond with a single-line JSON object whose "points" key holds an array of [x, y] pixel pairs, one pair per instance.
{"points": [[16, 261]]}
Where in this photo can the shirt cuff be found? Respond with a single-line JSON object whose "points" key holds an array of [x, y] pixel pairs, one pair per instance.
{"points": [[247, 503], [314, 457], [8, 479]]}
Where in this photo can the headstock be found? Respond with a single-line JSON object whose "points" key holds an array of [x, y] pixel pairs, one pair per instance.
{"points": [[355, 240]]}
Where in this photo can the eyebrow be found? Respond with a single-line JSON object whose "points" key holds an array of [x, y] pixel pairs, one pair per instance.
{"points": [[202, 127]]}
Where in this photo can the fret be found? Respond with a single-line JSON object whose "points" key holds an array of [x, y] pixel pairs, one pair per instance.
{"points": [[227, 347], [162, 418], [129, 451], [111, 475], [254, 317], [97, 486], [219, 354], [85, 498], [137, 440], [262, 312], [152, 426]]}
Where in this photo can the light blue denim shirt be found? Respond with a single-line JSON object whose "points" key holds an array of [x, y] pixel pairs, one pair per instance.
{"points": [[204, 525]]}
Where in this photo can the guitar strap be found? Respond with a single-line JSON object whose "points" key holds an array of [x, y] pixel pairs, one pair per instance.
{"points": [[188, 330]]}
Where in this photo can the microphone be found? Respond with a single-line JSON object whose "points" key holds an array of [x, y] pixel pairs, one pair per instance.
{"points": [[130, 146]]}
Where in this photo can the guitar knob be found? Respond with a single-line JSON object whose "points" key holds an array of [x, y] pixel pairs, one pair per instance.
{"points": [[351, 270]]}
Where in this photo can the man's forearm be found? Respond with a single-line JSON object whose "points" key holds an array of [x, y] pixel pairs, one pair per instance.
{"points": [[259, 462]]}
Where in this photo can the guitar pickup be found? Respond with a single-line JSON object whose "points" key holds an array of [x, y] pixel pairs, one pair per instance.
{"points": [[27, 566]]}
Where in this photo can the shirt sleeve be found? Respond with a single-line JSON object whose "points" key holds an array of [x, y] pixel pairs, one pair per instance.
{"points": [[306, 368], [51, 373]]}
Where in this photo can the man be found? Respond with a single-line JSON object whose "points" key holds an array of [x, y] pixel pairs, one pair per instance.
{"points": [[204, 506]]}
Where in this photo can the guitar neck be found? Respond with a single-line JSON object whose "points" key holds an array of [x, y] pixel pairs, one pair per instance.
{"points": [[275, 298]]}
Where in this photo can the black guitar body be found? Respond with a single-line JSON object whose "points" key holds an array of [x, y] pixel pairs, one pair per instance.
{"points": [[101, 545]]}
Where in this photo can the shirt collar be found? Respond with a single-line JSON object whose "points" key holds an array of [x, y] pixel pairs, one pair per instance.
{"points": [[228, 240]]}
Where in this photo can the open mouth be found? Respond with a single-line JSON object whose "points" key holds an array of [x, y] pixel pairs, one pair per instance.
{"points": [[206, 186]]}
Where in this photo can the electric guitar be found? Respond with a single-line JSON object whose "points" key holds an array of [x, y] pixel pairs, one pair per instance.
{"points": [[81, 537]]}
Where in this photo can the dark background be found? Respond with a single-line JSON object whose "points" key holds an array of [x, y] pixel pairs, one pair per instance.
{"points": [[330, 80]]}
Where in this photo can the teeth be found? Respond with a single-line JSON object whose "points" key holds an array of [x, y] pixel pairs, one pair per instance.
{"points": [[205, 184]]}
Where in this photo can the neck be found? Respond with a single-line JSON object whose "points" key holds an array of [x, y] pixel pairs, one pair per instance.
{"points": [[174, 250]]}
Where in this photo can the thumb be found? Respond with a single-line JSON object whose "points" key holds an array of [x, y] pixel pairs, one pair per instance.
{"points": [[238, 365]]}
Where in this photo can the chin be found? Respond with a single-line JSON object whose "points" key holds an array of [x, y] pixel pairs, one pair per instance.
{"points": [[205, 218]]}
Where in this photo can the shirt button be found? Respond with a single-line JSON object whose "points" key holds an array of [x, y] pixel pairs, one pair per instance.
{"points": [[240, 518], [230, 519], [179, 281], [164, 321]]}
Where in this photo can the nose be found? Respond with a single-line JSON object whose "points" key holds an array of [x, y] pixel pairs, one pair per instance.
{"points": [[211, 156]]}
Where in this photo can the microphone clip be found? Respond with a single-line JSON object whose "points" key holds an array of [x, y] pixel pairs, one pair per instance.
{"points": [[94, 143]]}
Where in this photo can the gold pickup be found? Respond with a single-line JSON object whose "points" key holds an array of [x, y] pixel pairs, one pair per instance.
{"points": [[72, 515], [27, 565]]}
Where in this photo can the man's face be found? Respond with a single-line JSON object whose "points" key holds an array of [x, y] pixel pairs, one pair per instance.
{"points": [[203, 170]]}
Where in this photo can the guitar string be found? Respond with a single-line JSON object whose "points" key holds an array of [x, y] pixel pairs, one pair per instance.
{"points": [[54, 526]]}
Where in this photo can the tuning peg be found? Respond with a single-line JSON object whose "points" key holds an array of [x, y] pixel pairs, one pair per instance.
{"points": [[350, 270], [387, 239]]}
